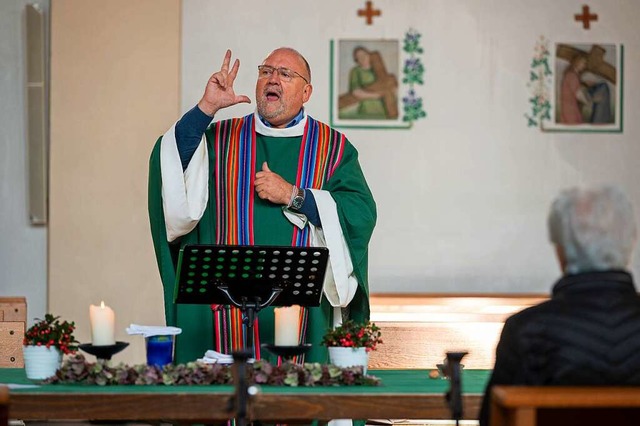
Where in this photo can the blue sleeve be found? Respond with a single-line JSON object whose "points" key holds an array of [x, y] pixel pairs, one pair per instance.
{"points": [[189, 131], [310, 209]]}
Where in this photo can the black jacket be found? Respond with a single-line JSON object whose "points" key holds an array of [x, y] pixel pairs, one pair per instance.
{"points": [[588, 333]]}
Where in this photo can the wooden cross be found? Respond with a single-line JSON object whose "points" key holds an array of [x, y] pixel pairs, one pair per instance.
{"points": [[369, 12], [586, 17], [596, 64]]}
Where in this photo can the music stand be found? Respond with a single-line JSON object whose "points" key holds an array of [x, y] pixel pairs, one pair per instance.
{"points": [[250, 277]]}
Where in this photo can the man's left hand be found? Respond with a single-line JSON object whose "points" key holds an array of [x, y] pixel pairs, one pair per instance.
{"points": [[272, 187]]}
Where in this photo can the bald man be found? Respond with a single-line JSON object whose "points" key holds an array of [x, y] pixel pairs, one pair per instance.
{"points": [[274, 177]]}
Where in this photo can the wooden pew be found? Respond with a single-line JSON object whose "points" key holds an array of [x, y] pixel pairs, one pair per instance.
{"points": [[13, 311], [418, 330], [550, 406], [4, 406]]}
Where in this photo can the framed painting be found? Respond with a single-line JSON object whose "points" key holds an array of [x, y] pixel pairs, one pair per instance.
{"points": [[586, 90], [365, 84]]}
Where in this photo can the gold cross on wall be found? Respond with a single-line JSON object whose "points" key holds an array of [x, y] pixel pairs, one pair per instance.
{"points": [[586, 17], [369, 12]]}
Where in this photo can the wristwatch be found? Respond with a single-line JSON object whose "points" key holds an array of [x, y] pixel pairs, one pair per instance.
{"points": [[298, 199]]}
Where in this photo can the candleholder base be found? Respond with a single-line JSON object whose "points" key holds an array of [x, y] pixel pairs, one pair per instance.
{"points": [[103, 352], [287, 352]]}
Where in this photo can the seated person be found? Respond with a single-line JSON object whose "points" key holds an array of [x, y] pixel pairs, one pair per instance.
{"points": [[588, 333]]}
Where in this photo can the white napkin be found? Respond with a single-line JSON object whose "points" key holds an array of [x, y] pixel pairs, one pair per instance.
{"points": [[213, 357], [153, 330]]}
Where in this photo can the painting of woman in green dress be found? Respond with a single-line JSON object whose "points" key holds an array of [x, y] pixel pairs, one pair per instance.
{"points": [[372, 90], [370, 101]]}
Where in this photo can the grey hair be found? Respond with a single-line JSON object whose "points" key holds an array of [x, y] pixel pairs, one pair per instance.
{"points": [[595, 228]]}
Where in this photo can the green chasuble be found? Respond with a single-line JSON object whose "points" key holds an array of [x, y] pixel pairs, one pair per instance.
{"points": [[343, 179]]}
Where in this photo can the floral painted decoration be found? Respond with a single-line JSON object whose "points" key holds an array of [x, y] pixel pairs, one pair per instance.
{"points": [[413, 75], [539, 85]]}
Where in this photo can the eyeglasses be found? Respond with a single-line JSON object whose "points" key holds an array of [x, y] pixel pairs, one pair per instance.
{"points": [[266, 71]]}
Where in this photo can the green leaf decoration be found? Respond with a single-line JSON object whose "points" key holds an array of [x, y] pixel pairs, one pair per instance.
{"points": [[76, 369]]}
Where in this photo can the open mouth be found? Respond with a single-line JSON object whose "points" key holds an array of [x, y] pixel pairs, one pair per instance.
{"points": [[272, 95]]}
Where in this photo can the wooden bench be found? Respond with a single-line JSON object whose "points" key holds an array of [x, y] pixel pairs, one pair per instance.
{"points": [[418, 330], [550, 406], [4, 406], [13, 320]]}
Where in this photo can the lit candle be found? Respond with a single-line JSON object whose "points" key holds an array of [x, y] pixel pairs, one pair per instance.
{"points": [[287, 326], [102, 325]]}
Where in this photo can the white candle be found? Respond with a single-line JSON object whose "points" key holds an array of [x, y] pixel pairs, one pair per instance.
{"points": [[287, 328], [102, 325]]}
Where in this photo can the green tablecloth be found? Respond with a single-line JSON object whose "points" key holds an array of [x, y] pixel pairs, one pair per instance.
{"points": [[393, 381]]}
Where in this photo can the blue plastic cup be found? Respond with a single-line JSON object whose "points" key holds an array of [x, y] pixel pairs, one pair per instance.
{"points": [[159, 350]]}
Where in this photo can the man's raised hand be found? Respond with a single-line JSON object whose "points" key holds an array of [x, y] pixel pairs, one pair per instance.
{"points": [[219, 92]]}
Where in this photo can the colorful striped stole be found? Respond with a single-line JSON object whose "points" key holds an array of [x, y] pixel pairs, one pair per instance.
{"points": [[235, 147]]}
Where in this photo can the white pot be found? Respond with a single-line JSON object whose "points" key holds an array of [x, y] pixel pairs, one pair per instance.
{"points": [[348, 357], [41, 362]]}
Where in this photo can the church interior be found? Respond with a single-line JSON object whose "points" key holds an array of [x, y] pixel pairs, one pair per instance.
{"points": [[473, 143]]}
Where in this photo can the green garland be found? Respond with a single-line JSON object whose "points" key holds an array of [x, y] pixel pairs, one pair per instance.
{"points": [[76, 369]]}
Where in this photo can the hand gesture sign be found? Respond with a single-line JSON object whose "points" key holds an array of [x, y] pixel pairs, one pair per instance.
{"points": [[219, 91], [272, 187]]}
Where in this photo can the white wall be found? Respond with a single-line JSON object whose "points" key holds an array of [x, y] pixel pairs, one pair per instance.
{"points": [[115, 84], [23, 248], [462, 196]]}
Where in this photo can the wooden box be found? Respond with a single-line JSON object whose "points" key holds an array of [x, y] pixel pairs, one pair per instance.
{"points": [[13, 321], [13, 309], [11, 335]]}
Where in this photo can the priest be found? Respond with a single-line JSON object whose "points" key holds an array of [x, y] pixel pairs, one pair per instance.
{"points": [[274, 177]]}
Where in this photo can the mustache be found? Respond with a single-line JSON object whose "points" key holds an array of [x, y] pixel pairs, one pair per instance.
{"points": [[272, 89]]}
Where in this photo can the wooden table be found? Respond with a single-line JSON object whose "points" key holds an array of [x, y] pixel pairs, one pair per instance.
{"points": [[404, 394]]}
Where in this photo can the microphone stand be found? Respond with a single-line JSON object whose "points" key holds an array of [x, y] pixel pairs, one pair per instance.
{"points": [[454, 395], [240, 400]]}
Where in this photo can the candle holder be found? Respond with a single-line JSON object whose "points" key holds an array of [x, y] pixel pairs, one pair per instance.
{"points": [[287, 352], [104, 351], [159, 349]]}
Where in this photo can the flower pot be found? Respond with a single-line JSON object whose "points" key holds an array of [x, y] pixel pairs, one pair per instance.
{"points": [[348, 357], [41, 362]]}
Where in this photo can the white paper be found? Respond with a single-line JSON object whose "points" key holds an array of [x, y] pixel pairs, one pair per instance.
{"points": [[153, 330]]}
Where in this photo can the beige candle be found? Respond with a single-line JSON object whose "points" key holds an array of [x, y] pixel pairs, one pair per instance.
{"points": [[102, 325], [287, 330]]}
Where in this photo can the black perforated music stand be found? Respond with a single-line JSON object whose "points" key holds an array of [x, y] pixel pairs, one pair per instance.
{"points": [[250, 277]]}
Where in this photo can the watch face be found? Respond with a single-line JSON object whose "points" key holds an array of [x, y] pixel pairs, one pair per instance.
{"points": [[297, 202]]}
